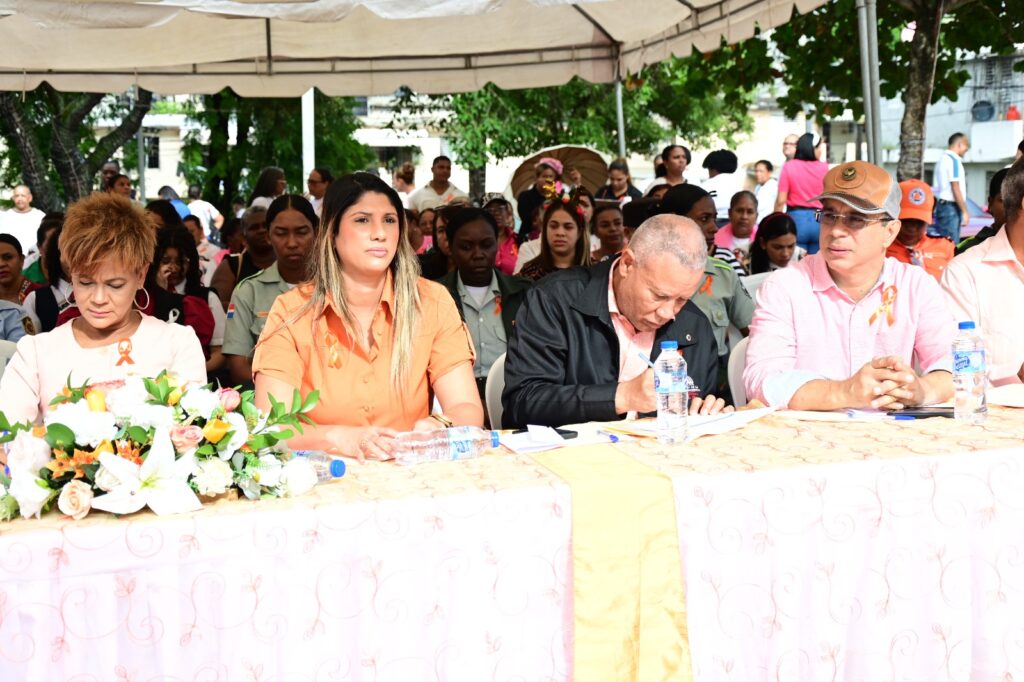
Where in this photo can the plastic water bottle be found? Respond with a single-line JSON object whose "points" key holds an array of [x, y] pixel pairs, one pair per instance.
{"points": [[458, 442], [327, 468], [969, 376], [670, 386]]}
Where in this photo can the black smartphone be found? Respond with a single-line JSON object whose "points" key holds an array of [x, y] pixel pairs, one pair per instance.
{"points": [[564, 433], [924, 412]]}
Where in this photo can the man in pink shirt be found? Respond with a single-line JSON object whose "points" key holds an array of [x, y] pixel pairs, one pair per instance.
{"points": [[842, 328], [986, 285]]}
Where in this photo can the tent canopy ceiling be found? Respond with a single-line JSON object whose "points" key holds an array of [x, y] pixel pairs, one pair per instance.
{"points": [[357, 47]]}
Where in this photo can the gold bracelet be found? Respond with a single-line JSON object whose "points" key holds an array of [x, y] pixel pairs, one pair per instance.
{"points": [[444, 421]]}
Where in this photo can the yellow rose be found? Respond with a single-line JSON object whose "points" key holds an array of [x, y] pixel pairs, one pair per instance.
{"points": [[174, 396], [96, 400], [215, 430]]}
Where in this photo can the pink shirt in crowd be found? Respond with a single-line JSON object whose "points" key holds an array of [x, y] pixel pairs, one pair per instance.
{"points": [[43, 364], [508, 253], [985, 285], [803, 180], [805, 327]]}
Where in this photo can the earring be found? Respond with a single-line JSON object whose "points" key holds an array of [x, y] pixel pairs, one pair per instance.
{"points": [[136, 301]]}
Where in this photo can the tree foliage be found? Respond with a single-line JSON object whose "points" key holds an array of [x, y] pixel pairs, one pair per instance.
{"points": [[700, 98], [51, 146], [267, 133]]}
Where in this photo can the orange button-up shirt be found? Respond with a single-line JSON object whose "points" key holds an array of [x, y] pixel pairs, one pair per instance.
{"points": [[355, 386], [931, 253]]}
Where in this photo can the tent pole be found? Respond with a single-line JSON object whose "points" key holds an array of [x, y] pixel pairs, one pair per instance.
{"points": [[865, 77], [876, 104], [308, 140], [620, 118], [140, 150]]}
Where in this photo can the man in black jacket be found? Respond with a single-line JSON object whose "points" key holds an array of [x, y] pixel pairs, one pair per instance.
{"points": [[575, 351], [487, 299]]}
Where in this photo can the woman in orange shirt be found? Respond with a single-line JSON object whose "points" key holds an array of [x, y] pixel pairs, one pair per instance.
{"points": [[374, 338]]}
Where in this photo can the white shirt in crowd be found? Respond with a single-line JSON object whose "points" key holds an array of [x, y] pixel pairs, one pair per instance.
{"points": [[766, 195], [206, 212], [220, 318], [949, 169], [425, 197], [721, 188], [22, 225]]}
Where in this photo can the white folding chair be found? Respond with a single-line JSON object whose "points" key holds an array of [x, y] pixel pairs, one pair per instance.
{"points": [[737, 361], [492, 391]]}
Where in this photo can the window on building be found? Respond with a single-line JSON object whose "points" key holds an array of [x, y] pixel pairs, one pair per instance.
{"points": [[360, 106], [152, 146]]}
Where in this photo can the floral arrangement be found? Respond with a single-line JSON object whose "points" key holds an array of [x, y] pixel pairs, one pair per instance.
{"points": [[150, 442]]}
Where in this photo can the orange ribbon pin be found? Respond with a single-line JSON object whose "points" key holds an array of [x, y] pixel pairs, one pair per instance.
{"points": [[706, 288], [888, 301], [497, 305], [333, 351], [124, 349]]}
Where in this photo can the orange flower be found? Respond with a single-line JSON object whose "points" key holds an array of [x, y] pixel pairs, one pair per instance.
{"points": [[129, 451], [215, 430]]}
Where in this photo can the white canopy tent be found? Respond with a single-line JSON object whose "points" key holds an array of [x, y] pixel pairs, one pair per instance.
{"points": [[285, 48], [357, 47]]}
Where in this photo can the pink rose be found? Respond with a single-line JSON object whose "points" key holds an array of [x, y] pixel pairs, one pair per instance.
{"points": [[75, 500], [186, 438], [229, 399]]}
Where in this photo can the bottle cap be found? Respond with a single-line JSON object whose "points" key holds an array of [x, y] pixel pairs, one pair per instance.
{"points": [[337, 468], [669, 345], [967, 325], [495, 439]]}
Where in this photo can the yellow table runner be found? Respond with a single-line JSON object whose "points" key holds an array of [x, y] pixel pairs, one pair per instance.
{"points": [[628, 604]]}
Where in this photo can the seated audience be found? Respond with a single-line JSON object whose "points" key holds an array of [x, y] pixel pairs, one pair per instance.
{"points": [[508, 246], [995, 207], [175, 270], [45, 304], [912, 244], [208, 253], [775, 245], [487, 298], [564, 242], [842, 328], [578, 346], [14, 286], [986, 286], [14, 323], [163, 213], [257, 255], [378, 341], [293, 225], [437, 262], [620, 185], [106, 245], [739, 232], [721, 296], [531, 249], [35, 267], [608, 228]]}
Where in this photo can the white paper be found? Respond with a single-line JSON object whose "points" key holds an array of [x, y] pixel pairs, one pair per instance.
{"points": [[534, 439]]}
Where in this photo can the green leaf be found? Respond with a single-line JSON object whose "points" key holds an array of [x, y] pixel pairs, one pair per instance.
{"points": [[59, 436], [139, 434]]}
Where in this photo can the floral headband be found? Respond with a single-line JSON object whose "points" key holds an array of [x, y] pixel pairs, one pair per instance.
{"points": [[554, 192]]}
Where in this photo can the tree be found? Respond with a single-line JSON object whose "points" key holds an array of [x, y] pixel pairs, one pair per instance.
{"points": [[821, 58], [51, 145], [267, 135], [701, 98]]}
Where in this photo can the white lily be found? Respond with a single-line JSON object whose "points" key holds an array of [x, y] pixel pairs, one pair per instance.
{"points": [[160, 483]]}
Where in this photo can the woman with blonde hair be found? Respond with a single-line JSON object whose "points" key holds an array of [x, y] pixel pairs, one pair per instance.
{"points": [[106, 247], [377, 340]]}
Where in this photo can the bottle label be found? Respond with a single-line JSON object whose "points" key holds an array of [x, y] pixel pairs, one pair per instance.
{"points": [[670, 382], [460, 443], [969, 361]]}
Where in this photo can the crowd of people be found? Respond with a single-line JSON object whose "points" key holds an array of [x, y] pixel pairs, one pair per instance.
{"points": [[392, 299]]}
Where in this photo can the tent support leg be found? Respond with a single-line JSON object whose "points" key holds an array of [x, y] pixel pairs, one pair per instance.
{"points": [[620, 118], [865, 76], [308, 140]]}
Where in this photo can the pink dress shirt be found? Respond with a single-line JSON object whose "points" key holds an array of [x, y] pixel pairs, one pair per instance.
{"points": [[805, 327], [986, 285], [631, 342]]}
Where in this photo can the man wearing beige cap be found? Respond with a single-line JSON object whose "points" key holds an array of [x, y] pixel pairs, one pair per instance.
{"points": [[913, 245], [841, 328]]}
